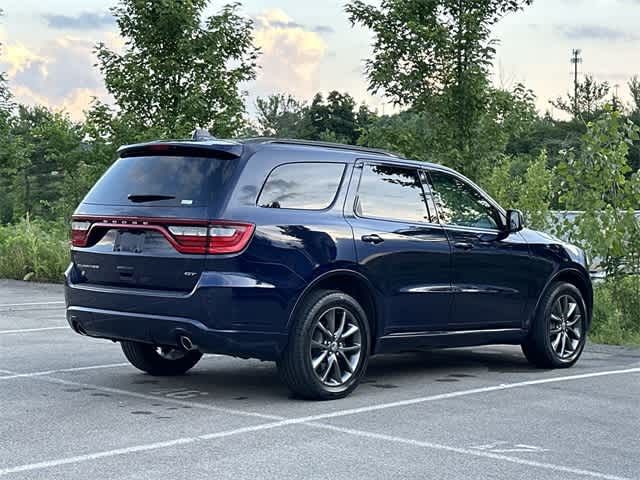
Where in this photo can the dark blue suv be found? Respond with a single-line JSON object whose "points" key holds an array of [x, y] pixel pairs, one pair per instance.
{"points": [[315, 256]]}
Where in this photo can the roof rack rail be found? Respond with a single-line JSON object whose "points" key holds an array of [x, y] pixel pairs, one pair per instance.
{"points": [[316, 143]]}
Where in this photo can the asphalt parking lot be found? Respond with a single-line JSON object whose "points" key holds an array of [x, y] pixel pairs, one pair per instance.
{"points": [[71, 408]]}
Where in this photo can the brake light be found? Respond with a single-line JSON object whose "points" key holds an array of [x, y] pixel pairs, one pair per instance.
{"points": [[197, 237], [79, 233], [216, 239]]}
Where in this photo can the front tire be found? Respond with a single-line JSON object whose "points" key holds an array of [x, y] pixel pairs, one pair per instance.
{"points": [[328, 348], [559, 330], [160, 361]]}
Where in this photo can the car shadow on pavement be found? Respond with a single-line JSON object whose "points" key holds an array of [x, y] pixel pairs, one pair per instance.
{"points": [[242, 380]]}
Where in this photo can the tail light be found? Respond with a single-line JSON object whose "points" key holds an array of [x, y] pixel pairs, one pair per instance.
{"points": [[215, 239], [190, 237], [79, 233]]}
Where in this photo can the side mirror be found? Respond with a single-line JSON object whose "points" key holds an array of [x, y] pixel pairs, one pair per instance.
{"points": [[515, 221]]}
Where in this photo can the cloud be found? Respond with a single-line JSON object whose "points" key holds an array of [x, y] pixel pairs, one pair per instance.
{"points": [[291, 54], [59, 75], [82, 21], [594, 32], [323, 29]]}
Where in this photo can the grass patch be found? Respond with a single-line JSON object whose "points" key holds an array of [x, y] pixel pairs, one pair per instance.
{"points": [[34, 250], [616, 312]]}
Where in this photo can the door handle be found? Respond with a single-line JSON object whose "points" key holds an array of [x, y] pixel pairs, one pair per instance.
{"points": [[463, 245], [375, 239]]}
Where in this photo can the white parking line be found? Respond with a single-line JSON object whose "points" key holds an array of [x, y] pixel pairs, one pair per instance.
{"points": [[31, 304], [313, 420], [61, 370], [29, 330], [133, 449], [466, 451]]}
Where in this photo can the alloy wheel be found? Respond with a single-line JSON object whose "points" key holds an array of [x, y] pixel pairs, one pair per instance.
{"points": [[565, 327], [336, 347]]}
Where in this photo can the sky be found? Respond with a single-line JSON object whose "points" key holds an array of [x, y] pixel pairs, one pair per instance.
{"points": [[310, 46]]}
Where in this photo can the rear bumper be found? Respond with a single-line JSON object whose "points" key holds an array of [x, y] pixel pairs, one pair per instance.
{"points": [[165, 330], [225, 313]]}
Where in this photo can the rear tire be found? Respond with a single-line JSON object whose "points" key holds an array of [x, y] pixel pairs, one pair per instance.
{"points": [[166, 362], [328, 348], [559, 330]]}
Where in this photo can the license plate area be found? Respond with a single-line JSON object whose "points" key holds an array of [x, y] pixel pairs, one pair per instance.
{"points": [[130, 242]]}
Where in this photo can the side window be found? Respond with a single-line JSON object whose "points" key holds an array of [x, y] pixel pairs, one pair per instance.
{"points": [[305, 186], [393, 193], [460, 204]]}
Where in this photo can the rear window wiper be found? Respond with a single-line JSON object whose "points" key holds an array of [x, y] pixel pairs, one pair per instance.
{"points": [[152, 197]]}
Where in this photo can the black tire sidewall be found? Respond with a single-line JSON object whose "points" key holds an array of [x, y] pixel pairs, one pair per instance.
{"points": [[545, 319], [300, 342], [144, 357]]}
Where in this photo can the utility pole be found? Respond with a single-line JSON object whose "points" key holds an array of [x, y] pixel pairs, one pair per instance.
{"points": [[575, 60]]}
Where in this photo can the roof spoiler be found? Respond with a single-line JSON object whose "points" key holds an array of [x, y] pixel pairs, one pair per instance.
{"points": [[211, 148]]}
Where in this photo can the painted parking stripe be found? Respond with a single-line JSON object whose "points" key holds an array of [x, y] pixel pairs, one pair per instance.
{"points": [[30, 330], [313, 420], [55, 302], [466, 451], [61, 370], [31, 304]]}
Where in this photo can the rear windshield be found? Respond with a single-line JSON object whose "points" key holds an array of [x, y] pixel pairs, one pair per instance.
{"points": [[162, 180]]}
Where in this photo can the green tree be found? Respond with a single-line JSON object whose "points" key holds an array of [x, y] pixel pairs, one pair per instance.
{"points": [[280, 115], [43, 149], [597, 180], [590, 100], [435, 56], [333, 119], [178, 69]]}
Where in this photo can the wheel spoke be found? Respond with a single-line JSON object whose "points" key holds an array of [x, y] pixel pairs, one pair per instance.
{"points": [[555, 318], [347, 363], [564, 344], [331, 321], [571, 307], [350, 331], [337, 369], [576, 318], [324, 330], [556, 341], [351, 348], [315, 363], [574, 332], [317, 344], [343, 322], [555, 330], [330, 363]]}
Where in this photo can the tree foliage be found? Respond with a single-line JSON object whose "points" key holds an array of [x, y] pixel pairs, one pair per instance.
{"points": [[590, 100], [435, 56], [179, 70], [598, 181]]}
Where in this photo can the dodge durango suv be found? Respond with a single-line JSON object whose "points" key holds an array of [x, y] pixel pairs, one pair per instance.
{"points": [[315, 256]]}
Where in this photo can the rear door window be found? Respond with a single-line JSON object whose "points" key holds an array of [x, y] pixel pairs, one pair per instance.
{"points": [[304, 186], [392, 193], [162, 181]]}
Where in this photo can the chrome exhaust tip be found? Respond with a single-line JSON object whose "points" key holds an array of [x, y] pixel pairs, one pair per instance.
{"points": [[186, 343]]}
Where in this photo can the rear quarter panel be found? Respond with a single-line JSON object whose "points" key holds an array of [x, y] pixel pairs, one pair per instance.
{"points": [[289, 249]]}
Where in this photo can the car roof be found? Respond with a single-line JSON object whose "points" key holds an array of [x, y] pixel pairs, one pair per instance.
{"points": [[357, 151], [236, 148]]}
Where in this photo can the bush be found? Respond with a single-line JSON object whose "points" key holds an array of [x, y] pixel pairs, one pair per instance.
{"points": [[34, 250], [616, 314]]}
